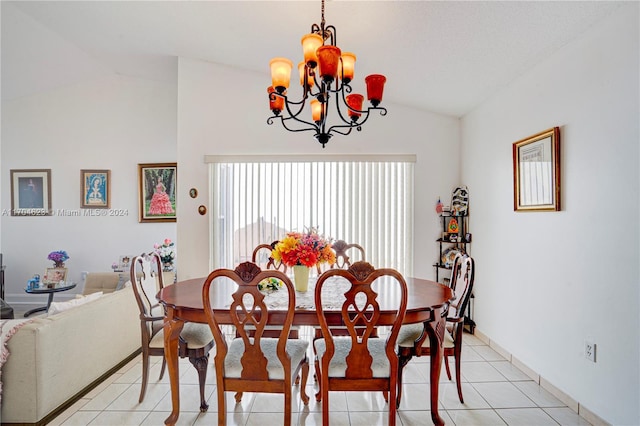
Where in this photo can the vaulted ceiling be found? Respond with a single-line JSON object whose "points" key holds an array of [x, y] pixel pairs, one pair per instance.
{"points": [[445, 56]]}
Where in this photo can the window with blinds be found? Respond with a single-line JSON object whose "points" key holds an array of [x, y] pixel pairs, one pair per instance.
{"points": [[365, 200]]}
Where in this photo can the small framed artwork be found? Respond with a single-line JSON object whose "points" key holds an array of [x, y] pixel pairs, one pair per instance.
{"points": [[536, 172], [95, 189], [157, 183], [31, 192], [124, 263], [467, 237], [54, 275]]}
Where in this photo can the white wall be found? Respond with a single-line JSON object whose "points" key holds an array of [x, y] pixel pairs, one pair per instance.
{"points": [[223, 110], [110, 123], [547, 281]]}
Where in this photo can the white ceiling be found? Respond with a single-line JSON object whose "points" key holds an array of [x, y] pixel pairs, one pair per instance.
{"points": [[446, 57]]}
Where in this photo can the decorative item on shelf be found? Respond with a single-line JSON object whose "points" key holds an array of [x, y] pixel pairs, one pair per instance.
{"points": [[324, 66], [167, 254], [452, 227], [58, 257], [302, 251], [460, 201], [34, 282], [439, 206]]}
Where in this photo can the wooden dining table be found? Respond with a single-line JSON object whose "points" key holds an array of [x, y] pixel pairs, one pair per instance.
{"points": [[427, 303]]}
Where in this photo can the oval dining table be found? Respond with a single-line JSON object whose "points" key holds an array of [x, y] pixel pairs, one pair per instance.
{"points": [[427, 303]]}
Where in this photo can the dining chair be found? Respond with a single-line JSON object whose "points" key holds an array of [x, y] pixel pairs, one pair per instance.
{"points": [[195, 340], [342, 249], [413, 340], [262, 256], [360, 361], [252, 362]]}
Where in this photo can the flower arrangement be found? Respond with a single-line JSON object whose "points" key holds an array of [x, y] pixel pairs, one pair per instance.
{"points": [[270, 284], [58, 257], [307, 249], [166, 251]]}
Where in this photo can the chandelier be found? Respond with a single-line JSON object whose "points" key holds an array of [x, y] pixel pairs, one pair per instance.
{"points": [[325, 77]]}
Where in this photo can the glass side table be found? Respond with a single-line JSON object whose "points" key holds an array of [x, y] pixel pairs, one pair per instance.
{"points": [[50, 291]]}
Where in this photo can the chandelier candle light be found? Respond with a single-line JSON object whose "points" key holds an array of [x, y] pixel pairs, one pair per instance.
{"points": [[326, 71]]}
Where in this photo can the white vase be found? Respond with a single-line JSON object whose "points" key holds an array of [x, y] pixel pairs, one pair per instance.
{"points": [[301, 277]]}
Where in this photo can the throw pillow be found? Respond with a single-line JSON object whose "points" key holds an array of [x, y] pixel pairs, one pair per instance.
{"points": [[57, 307]]}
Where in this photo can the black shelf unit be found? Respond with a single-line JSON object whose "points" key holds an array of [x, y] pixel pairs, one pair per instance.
{"points": [[462, 238]]}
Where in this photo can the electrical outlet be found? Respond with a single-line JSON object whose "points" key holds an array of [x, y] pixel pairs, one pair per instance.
{"points": [[590, 350]]}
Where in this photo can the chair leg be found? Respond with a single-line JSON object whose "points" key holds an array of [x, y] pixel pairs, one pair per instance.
{"points": [[287, 407], [303, 386], [163, 368], [222, 406], [446, 366], [145, 375], [318, 380], [402, 361], [457, 357], [201, 363]]}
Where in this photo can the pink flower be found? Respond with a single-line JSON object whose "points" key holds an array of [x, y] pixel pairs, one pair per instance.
{"points": [[167, 242], [156, 246]]}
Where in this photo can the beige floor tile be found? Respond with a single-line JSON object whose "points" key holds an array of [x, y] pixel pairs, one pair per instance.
{"points": [[473, 372], [81, 418], [538, 394], [448, 396], [475, 418], [503, 395], [488, 354], [566, 416], [120, 418], [509, 371], [421, 418], [525, 417], [157, 418], [233, 419]]}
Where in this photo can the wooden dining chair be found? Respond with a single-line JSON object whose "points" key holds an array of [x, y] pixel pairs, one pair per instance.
{"points": [[262, 257], [413, 339], [358, 362], [252, 362], [195, 340], [342, 249]]}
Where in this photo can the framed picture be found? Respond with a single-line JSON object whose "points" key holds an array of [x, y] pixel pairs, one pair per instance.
{"points": [[124, 263], [54, 275], [95, 189], [536, 172], [157, 192], [31, 192]]}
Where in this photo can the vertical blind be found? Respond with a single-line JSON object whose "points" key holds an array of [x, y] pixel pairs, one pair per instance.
{"points": [[365, 200]]}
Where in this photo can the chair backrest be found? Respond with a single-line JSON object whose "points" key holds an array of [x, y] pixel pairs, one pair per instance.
{"points": [[146, 280], [462, 277], [250, 315], [262, 256], [341, 247], [361, 314]]}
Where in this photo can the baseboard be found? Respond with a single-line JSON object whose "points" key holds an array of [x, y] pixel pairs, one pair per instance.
{"points": [[56, 412], [575, 405]]}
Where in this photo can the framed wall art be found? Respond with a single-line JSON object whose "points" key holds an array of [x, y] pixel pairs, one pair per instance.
{"points": [[536, 172], [95, 189], [157, 192], [54, 275], [31, 192]]}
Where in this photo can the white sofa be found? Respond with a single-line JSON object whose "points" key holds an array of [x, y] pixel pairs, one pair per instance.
{"points": [[54, 359]]}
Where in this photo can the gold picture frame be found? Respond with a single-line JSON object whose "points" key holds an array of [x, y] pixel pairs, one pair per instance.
{"points": [[536, 172], [95, 187], [157, 189]]}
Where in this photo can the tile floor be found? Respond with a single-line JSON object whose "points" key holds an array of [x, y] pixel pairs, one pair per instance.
{"points": [[495, 393]]}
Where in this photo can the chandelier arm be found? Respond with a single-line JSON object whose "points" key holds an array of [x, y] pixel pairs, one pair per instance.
{"points": [[312, 126], [336, 128]]}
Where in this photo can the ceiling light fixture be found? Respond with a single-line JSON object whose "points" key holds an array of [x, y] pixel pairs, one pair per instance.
{"points": [[324, 66]]}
